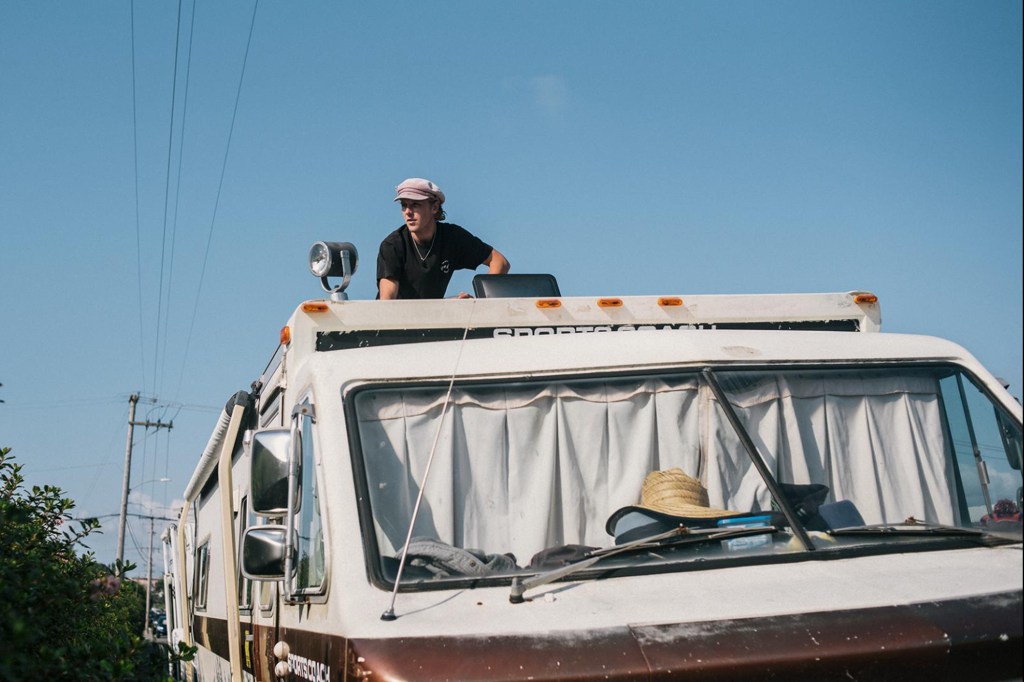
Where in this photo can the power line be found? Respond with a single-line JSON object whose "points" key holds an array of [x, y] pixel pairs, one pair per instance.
{"points": [[220, 186], [168, 242], [181, 149], [163, 237], [154, 400], [138, 229], [51, 405]]}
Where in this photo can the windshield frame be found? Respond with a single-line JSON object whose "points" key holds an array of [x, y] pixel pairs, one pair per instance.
{"points": [[373, 560]]}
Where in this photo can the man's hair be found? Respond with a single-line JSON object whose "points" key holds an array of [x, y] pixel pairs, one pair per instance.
{"points": [[439, 214]]}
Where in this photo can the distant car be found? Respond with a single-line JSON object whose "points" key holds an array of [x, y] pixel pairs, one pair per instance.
{"points": [[158, 625]]}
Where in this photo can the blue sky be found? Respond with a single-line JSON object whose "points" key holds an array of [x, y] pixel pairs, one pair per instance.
{"points": [[627, 147]]}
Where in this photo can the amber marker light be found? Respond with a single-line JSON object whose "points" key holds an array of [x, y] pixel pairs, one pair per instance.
{"points": [[315, 307], [286, 335], [865, 297], [670, 301], [549, 303], [609, 303]]}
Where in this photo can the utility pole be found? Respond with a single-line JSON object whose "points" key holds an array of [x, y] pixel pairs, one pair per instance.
{"points": [[133, 399], [149, 577]]}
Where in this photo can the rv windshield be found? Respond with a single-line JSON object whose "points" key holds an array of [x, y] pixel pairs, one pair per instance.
{"points": [[531, 476]]}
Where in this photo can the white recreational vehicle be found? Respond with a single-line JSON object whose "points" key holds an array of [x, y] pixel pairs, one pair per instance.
{"points": [[534, 487]]}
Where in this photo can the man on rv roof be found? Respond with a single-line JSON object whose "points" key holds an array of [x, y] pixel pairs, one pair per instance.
{"points": [[417, 259]]}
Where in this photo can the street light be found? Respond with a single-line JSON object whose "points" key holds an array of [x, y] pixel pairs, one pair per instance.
{"points": [[122, 522]]}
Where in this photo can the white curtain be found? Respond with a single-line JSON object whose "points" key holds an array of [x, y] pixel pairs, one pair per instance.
{"points": [[875, 439], [523, 467]]}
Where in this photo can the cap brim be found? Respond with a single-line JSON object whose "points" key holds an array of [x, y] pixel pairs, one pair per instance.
{"points": [[415, 195]]}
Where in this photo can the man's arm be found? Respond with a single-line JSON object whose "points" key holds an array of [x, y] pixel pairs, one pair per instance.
{"points": [[388, 289], [497, 264]]}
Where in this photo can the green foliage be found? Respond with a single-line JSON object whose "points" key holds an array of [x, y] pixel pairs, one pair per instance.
{"points": [[64, 616]]}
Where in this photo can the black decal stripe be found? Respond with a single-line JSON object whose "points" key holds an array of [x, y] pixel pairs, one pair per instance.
{"points": [[347, 340], [212, 634]]}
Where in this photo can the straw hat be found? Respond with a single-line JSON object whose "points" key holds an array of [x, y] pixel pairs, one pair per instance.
{"points": [[667, 499], [673, 492]]}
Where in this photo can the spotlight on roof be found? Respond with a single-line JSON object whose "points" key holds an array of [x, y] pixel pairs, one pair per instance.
{"points": [[334, 259]]}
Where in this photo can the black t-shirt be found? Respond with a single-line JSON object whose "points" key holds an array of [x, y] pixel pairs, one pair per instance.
{"points": [[425, 273]]}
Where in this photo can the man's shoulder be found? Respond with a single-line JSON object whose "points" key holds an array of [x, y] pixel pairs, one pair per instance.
{"points": [[453, 229], [395, 239], [396, 235]]}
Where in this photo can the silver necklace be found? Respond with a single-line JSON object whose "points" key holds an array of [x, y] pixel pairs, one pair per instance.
{"points": [[423, 257]]}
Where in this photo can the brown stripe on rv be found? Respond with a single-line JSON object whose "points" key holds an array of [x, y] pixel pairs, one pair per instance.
{"points": [[212, 634], [978, 639]]}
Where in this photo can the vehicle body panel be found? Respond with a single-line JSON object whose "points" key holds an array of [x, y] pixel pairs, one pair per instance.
{"points": [[926, 611]]}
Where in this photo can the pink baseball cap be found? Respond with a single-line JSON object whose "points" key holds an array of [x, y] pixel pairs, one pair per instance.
{"points": [[418, 189]]}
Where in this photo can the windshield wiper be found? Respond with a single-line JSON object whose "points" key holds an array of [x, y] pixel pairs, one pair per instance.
{"points": [[755, 458], [670, 539], [911, 527]]}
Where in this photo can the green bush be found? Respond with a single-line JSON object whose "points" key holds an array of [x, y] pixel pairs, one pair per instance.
{"points": [[62, 614]]}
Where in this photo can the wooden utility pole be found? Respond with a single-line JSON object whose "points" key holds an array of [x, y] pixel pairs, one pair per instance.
{"points": [[133, 399]]}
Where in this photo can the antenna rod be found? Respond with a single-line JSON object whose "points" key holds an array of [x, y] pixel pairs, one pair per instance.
{"points": [[389, 614]]}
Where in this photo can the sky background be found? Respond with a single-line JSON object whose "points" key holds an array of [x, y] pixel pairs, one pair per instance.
{"points": [[154, 228]]}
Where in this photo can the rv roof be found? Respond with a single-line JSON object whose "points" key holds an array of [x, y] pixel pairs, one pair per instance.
{"points": [[340, 325]]}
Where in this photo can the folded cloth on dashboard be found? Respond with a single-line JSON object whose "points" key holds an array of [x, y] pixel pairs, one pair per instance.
{"points": [[556, 557], [444, 560]]}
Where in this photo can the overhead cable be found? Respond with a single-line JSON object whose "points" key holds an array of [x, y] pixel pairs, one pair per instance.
{"points": [[138, 236], [220, 186], [181, 144], [163, 238]]}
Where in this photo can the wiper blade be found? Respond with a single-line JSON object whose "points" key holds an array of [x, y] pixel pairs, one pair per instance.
{"points": [[911, 527], [677, 537]]}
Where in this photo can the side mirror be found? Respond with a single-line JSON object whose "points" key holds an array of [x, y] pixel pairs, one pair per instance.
{"points": [[269, 473], [1011, 440], [263, 553]]}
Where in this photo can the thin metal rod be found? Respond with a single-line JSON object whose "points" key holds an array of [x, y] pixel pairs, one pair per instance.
{"points": [[758, 461], [389, 614]]}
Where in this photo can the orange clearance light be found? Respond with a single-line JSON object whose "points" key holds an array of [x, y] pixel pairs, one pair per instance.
{"points": [[670, 301], [549, 303], [286, 335], [609, 303], [865, 297], [314, 307]]}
